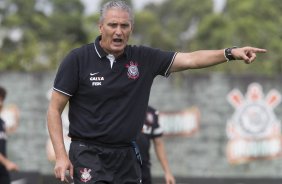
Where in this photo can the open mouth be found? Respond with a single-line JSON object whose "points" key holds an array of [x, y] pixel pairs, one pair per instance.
{"points": [[117, 40]]}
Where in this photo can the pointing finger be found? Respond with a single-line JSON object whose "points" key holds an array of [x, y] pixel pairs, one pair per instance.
{"points": [[257, 50], [261, 50]]}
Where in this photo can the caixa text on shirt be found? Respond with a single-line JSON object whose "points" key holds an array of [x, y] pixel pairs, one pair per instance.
{"points": [[96, 81]]}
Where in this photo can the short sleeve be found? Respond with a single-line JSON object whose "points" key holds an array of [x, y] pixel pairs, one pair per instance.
{"points": [[67, 77], [160, 61]]}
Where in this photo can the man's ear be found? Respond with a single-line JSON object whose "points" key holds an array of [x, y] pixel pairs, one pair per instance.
{"points": [[100, 28]]}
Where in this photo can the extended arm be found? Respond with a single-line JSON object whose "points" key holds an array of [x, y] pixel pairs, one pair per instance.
{"points": [[160, 151], [206, 58], [54, 121]]}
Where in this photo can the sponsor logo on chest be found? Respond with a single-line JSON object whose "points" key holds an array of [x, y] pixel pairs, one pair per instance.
{"points": [[132, 73], [96, 80]]}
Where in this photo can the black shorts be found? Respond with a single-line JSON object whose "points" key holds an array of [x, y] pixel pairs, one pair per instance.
{"points": [[95, 164], [146, 174]]}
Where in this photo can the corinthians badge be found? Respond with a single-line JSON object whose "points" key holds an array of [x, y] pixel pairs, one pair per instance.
{"points": [[254, 131], [85, 175], [132, 70]]}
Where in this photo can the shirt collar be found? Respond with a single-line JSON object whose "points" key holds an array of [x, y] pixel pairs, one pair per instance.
{"points": [[101, 52]]}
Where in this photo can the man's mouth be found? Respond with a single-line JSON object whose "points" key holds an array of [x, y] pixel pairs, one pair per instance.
{"points": [[117, 40]]}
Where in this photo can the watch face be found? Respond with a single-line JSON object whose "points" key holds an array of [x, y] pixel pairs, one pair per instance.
{"points": [[254, 119], [229, 52]]}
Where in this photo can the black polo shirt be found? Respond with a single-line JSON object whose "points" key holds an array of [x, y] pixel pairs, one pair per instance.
{"points": [[108, 104]]}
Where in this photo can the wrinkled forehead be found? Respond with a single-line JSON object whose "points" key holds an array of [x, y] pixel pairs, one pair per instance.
{"points": [[116, 12], [117, 15]]}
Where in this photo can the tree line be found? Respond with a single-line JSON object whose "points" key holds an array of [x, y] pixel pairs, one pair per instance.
{"points": [[35, 35]]}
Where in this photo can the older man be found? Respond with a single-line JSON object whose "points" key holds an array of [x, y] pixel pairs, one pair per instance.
{"points": [[107, 84]]}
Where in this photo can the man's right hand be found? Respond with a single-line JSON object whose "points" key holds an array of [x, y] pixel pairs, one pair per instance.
{"points": [[61, 168]]}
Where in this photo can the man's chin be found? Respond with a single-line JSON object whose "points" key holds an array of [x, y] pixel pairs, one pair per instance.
{"points": [[117, 49]]}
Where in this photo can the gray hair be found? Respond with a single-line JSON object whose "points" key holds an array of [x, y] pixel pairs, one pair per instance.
{"points": [[119, 5]]}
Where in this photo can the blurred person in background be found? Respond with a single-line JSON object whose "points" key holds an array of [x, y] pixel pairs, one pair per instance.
{"points": [[153, 131], [5, 164], [107, 84]]}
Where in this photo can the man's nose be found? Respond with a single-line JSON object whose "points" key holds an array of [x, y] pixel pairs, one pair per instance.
{"points": [[118, 30]]}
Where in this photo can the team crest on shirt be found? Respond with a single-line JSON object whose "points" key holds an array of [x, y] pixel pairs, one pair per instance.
{"points": [[85, 175], [132, 70]]}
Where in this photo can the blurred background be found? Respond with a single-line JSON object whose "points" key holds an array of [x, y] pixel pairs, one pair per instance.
{"points": [[217, 138]]}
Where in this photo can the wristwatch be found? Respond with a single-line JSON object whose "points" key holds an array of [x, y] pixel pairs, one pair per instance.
{"points": [[228, 55]]}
